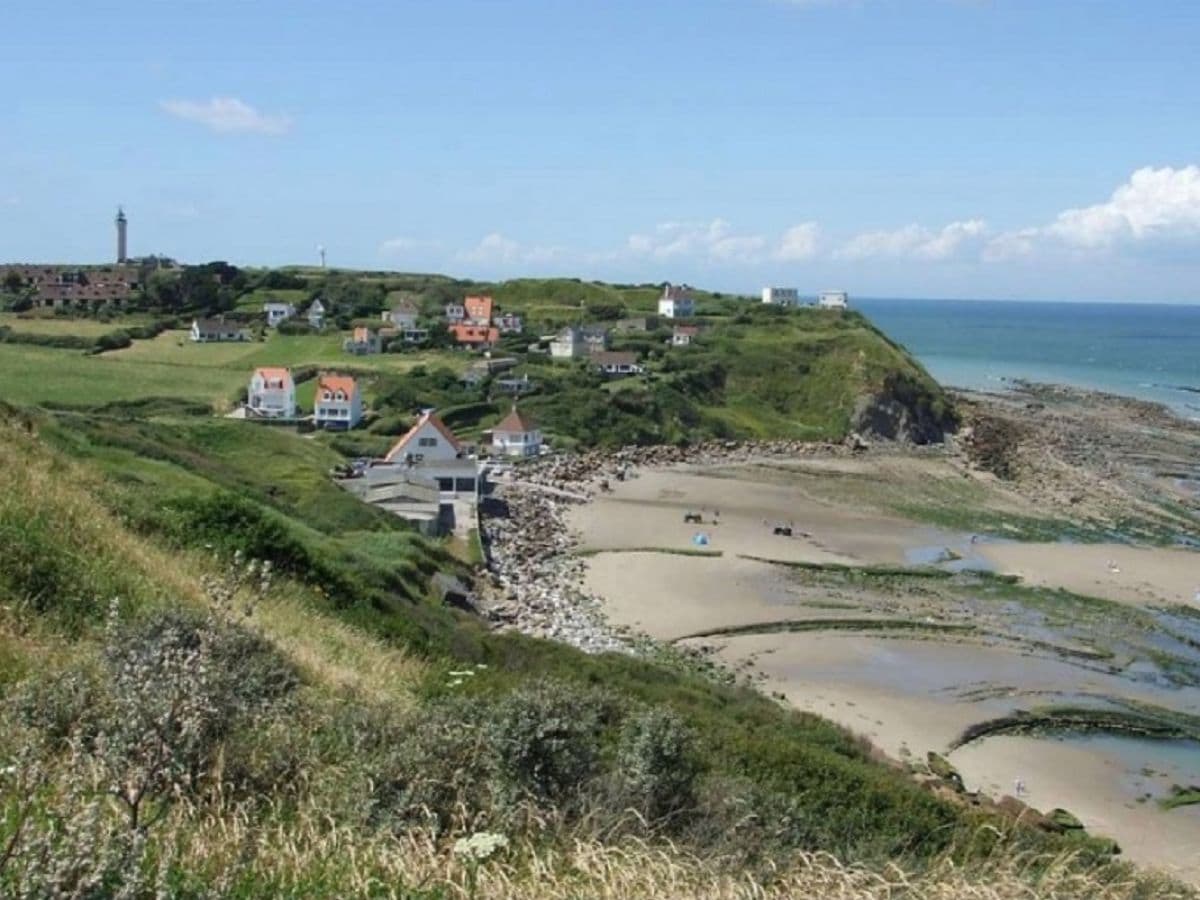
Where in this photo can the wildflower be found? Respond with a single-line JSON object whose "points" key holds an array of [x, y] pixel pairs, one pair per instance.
{"points": [[480, 846]]}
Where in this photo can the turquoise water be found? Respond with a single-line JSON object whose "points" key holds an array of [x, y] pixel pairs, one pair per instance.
{"points": [[1149, 351]]}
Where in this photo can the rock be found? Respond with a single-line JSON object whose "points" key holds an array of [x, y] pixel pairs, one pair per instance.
{"points": [[940, 766], [1064, 820]]}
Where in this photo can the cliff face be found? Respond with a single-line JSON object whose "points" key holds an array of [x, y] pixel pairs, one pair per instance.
{"points": [[905, 409]]}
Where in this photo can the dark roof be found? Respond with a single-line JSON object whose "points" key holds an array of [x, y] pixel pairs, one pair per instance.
{"points": [[615, 358], [515, 422]]}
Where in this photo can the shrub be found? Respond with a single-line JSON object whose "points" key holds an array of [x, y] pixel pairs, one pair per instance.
{"points": [[656, 761], [545, 738]]}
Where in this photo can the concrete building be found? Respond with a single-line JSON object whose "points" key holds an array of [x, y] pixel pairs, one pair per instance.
{"points": [[676, 302], [509, 323], [478, 310], [833, 300], [272, 394], [402, 315], [517, 435], [779, 296], [337, 404], [363, 342]]}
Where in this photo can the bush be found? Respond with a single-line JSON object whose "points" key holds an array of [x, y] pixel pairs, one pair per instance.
{"points": [[656, 761], [545, 739], [114, 340]]}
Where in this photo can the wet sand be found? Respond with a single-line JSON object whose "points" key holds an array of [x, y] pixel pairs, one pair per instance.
{"points": [[908, 694]]}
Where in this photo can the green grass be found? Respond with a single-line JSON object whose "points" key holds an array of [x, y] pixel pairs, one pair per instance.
{"points": [[1181, 796], [61, 325]]}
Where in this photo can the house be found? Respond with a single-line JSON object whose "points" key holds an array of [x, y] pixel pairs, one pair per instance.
{"points": [[613, 362], [509, 323], [455, 313], [567, 344], [833, 300], [414, 335], [278, 312], [429, 449], [513, 386], [429, 440], [316, 314], [363, 342], [272, 394], [403, 315], [595, 338], [211, 331], [337, 404], [676, 302], [516, 435], [475, 337], [80, 287], [779, 296], [478, 310], [683, 335], [636, 325]]}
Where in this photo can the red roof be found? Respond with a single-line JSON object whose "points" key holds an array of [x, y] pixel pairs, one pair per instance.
{"points": [[475, 334], [333, 383], [479, 308], [433, 419], [516, 422], [270, 374]]}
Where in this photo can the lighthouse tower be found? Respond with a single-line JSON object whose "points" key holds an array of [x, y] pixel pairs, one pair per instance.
{"points": [[122, 249]]}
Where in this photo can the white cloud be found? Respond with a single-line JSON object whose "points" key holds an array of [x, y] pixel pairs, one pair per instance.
{"points": [[399, 246], [716, 242], [1153, 205], [496, 248], [915, 242], [800, 242], [227, 115]]}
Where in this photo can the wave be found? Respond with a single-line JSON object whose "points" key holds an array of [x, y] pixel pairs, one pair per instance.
{"points": [[1186, 389]]}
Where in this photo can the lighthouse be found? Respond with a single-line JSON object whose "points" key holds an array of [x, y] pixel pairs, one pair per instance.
{"points": [[122, 249]]}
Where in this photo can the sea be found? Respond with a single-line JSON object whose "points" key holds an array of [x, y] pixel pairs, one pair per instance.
{"points": [[1142, 350]]}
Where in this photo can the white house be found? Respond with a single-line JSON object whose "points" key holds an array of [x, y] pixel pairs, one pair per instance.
{"points": [[429, 440], [337, 404], [272, 394], [676, 302], [780, 296], [403, 315], [509, 323], [683, 335], [833, 300], [430, 450], [568, 344], [316, 314], [455, 313], [614, 362], [278, 312], [516, 435], [210, 331]]}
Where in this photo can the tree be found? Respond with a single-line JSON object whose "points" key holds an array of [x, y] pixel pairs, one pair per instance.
{"points": [[13, 282]]}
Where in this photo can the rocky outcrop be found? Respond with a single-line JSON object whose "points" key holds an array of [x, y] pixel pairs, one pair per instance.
{"points": [[905, 409]]}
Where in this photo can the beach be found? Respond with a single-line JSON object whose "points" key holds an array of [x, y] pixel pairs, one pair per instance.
{"points": [[891, 611]]}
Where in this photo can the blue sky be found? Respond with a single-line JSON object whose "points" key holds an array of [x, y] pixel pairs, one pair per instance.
{"points": [[940, 148]]}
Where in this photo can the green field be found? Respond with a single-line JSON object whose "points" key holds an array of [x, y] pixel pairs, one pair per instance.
{"points": [[172, 366], [58, 325]]}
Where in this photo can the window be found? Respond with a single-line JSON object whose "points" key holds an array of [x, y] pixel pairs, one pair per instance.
{"points": [[427, 442]]}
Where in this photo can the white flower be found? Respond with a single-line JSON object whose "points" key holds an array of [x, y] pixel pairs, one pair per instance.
{"points": [[479, 846]]}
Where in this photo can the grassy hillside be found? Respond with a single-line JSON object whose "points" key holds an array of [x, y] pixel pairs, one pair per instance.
{"points": [[177, 717], [756, 372]]}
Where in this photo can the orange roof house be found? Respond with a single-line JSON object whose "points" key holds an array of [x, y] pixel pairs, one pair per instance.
{"points": [[475, 335], [429, 438], [479, 310]]}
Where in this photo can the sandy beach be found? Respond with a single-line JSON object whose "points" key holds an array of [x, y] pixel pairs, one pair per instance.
{"points": [[910, 688]]}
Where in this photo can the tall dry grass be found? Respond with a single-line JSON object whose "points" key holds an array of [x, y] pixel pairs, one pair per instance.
{"points": [[304, 854]]}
